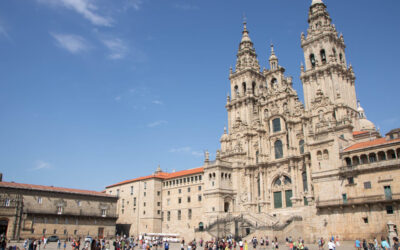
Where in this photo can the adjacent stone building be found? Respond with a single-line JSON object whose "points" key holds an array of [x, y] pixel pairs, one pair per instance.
{"points": [[33, 211], [284, 167]]}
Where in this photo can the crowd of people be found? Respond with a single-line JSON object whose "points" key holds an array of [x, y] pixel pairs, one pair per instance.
{"points": [[227, 243]]}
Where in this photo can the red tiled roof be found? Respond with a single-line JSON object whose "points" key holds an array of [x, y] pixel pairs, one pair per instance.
{"points": [[162, 175], [372, 143], [359, 132], [52, 189]]}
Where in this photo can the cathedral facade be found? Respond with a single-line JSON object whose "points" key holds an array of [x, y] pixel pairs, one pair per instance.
{"points": [[284, 168]]}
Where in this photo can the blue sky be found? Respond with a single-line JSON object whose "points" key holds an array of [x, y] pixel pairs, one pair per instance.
{"points": [[93, 92]]}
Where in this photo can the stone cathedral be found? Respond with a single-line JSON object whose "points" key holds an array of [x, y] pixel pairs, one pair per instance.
{"points": [[284, 168]]}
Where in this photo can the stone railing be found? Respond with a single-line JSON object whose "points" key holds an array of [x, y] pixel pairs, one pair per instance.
{"points": [[69, 212], [369, 166], [358, 200]]}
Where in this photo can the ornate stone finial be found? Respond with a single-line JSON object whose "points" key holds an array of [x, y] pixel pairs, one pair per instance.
{"points": [[206, 156], [316, 2], [224, 129], [158, 169], [218, 154], [230, 70], [302, 67]]}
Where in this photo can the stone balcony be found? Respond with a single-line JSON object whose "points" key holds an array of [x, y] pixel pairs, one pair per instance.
{"points": [[368, 167], [361, 200]]}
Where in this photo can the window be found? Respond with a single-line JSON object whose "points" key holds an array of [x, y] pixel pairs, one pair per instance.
{"points": [[168, 201], [199, 198], [169, 193], [365, 219], [389, 209], [123, 203], [168, 216], [340, 57], [158, 204], [158, 193], [304, 177], [144, 194], [188, 199], [190, 214], [134, 201], [7, 202], [122, 211], [76, 222], [144, 204], [312, 60], [158, 211], [199, 188], [323, 56], [59, 209], [344, 197], [276, 125], [236, 91], [367, 185], [278, 149], [131, 190], [179, 200], [388, 192], [180, 191], [144, 185], [244, 88], [79, 203], [75, 232], [179, 214], [189, 189], [45, 220], [199, 177], [65, 231], [301, 146], [278, 199], [118, 192], [350, 180], [39, 200], [56, 221], [257, 154], [55, 231], [144, 212], [213, 209], [66, 221]]}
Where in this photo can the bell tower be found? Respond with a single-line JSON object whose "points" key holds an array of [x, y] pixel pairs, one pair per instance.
{"points": [[326, 70], [245, 81]]}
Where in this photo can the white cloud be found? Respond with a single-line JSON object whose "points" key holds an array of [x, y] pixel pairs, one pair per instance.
{"points": [[86, 8], [42, 165], [117, 98], [186, 150], [156, 123], [117, 47], [70, 42], [135, 4], [157, 102]]}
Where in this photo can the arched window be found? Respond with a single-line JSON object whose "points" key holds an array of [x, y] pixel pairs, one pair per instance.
{"points": [[257, 154], [319, 155], [312, 60], [253, 88], [301, 146], [391, 154], [244, 88], [278, 149], [277, 182], [326, 154], [287, 181], [340, 57], [323, 56], [226, 207], [201, 226], [348, 161], [304, 177], [276, 125], [274, 82], [364, 159], [372, 157], [236, 90]]}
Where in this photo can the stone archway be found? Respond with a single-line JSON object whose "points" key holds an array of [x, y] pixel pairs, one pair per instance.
{"points": [[3, 226]]}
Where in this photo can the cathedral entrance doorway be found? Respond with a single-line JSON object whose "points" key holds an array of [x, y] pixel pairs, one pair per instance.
{"points": [[3, 226]]}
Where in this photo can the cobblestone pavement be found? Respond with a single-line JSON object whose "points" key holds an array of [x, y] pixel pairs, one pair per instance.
{"points": [[175, 246]]}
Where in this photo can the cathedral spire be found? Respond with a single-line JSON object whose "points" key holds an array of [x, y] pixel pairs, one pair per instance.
{"points": [[273, 60], [246, 56]]}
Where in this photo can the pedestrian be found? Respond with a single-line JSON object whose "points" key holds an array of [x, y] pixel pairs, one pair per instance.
{"points": [[384, 244], [331, 245], [65, 244], [166, 245], [396, 244]]}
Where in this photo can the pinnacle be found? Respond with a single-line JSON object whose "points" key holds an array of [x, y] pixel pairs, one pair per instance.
{"points": [[316, 2]]}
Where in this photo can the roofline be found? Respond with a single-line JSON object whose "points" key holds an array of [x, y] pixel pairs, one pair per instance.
{"points": [[165, 177], [51, 189], [371, 146]]}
